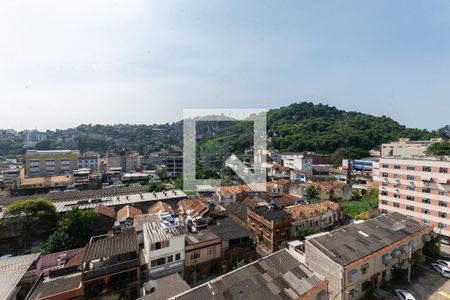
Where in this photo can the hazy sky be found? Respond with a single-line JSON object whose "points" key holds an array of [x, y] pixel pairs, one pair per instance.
{"points": [[63, 63]]}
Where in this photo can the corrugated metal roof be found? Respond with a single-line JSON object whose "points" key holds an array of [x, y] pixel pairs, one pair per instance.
{"points": [[12, 270], [111, 245]]}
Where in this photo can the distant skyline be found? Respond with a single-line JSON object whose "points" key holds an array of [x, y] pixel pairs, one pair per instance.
{"points": [[141, 62]]}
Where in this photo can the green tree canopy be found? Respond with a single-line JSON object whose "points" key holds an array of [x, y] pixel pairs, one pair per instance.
{"points": [[74, 230], [442, 148], [310, 192], [36, 217]]}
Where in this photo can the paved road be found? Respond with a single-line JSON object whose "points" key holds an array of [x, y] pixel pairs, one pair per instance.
{"points": [[427, 284]]}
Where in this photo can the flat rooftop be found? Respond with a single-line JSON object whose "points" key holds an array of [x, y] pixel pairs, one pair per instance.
{"points": [[54, 286], [227, 230], [277, 276], [162, 292], [200, 236], [353, 242]]}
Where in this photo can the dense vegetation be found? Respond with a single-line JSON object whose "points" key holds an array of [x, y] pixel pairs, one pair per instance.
{"points": [[442, 148], [361, 204]]}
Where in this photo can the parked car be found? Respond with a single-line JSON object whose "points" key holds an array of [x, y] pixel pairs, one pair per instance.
{"points": [[445, 241], [404, 295], [443, 270], [445, 263]]}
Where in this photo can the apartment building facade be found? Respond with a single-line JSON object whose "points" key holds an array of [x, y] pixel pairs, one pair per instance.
{"points": [[269, 226], [174, 166], [298, 161], [418, 187], [46, 163], [89, 160], [124, 159], [164, 247]]}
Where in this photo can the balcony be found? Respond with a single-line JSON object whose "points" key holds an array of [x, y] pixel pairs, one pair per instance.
{"points": [[110, 269]]}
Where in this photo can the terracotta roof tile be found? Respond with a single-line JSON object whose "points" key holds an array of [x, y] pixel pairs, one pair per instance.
{"points": [[306, 211], [128, 212], [105, 210], [160, 207], [192, 207]]}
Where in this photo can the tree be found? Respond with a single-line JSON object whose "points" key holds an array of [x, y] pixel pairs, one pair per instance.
{"points": [[283, 245], [36, 217], [156, 187], [442, 148], [431, 248], [240, 264], [305, 231], [73, 231], [310, 192]]}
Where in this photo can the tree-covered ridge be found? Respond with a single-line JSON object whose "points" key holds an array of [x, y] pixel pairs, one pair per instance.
{"points": [[316, 127]]}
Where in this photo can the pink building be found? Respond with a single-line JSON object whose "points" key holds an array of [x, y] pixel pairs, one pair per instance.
{"points": [[418, 187]]}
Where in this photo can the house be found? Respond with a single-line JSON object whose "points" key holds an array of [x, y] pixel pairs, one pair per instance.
{"points": [[68, 286], [203, 255], [164, 245], [298, 161], [277, 171], [192, 207], [127, 214], [59, 262], [236, 243], [238, 213], [106, 218], [269, 226], [231, 194], [17, 276], [165, 287], [333, 190], [160, 207], [111, 265], [363, 255], [320, 215], [280, 200], [277, 276]]}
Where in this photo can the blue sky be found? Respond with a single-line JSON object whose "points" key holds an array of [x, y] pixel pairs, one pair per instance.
{"points": [[65, 63]]}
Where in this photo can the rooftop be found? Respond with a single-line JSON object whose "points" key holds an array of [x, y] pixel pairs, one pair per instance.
{"points": [[12, 270], [227, 230], [53, 286], [192, 207], [111, 245], [277, 276], [160, 207], [175, 282], [200, 236], [157, 231], [239, 210], [128, 211], [304, 211], [356, 241], [270, 213], [105, 210]]}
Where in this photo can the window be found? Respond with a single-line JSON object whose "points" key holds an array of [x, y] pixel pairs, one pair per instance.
{"points": [[153, 263], [195, 255], [396, 195], [426, 190], [384, 202], [384, 183], [443, 203], [426, 169], [385, 175], [443, 192], [170, 258], [397, 176], [161, 261], [384, 193], [383, 211], [211, 251], [410, 177], [396, 204], [411, 188], [364, 268], [160, 245], [442, 215], [410, 198], [411, 168], [442, 225], [443, 170], [426, 200], [397, 167], [177, 256], [385, 166], [425, 211], [410, 207]]}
